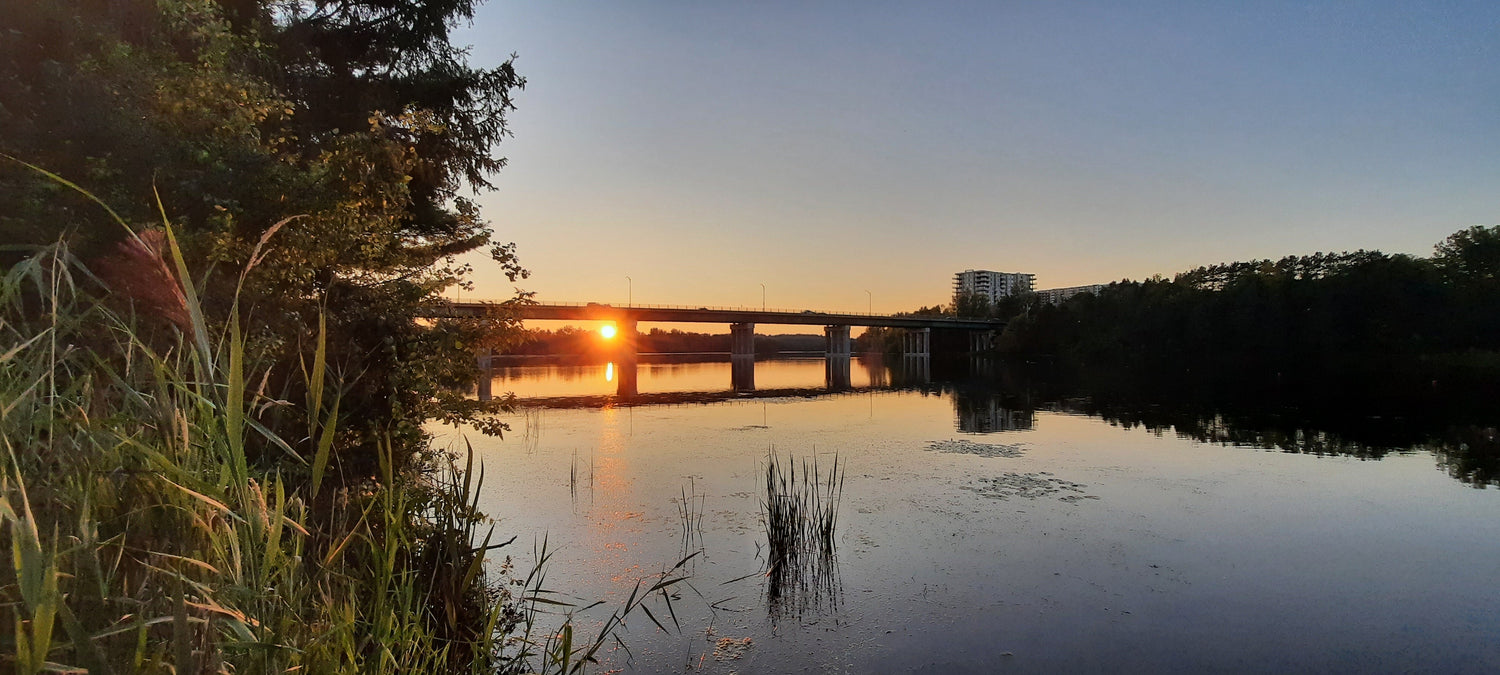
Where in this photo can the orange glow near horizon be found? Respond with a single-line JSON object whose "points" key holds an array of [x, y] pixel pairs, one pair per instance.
{"points": [[607, 331]]}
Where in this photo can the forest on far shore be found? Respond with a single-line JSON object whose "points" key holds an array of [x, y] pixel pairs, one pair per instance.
{"points": [[1300, 312]]}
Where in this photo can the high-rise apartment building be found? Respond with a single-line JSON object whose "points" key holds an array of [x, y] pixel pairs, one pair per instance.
{"points": [[992, 285]]}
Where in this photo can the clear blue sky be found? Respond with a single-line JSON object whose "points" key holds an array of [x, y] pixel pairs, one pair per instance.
{"points": [[825, 149]]}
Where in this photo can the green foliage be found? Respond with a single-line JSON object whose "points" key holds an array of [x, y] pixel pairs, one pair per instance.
{"points": [[1470, 256], [227, 116], [215, 458], [971, 305], [143, 539], [1297, 312]]}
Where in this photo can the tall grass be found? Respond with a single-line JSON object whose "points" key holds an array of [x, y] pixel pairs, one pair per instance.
{"points": [[800, 511], [142, 537], [145, 539]]}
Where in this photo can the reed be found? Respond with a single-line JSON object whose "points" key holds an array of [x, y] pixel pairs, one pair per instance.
{"points": [[800, 512], [690, 516], [143, 537]]}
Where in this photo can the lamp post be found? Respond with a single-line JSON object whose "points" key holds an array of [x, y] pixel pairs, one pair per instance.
{"points": [[869, 302], [762, 297], [629, 291]]}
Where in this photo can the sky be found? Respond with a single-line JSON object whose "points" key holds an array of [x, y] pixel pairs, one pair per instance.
{"points": [[854, 155]]}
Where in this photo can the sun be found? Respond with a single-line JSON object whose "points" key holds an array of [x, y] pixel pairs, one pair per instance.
{"points": [[607, 331]]}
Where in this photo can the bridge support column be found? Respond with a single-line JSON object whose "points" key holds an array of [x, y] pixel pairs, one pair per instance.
{"points": [[625, 372], [836, 372], [916, 342], [625, 379], [742, 356], [742, 373], [484, 357], [836, 357], [838, 340], [742, 339], [981, 341], [916, 353]]}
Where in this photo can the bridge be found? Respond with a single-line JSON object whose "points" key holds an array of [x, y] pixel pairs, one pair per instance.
{"points": [[916, 331]]}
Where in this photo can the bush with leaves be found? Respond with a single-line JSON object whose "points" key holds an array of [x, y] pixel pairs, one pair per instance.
{"points": [[227, 117]]}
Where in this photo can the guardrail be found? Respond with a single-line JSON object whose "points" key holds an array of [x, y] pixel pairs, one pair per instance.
{"points": [[712, 308]]}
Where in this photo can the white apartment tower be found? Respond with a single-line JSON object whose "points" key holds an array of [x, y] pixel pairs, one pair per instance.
{"points": [[992, 285]]}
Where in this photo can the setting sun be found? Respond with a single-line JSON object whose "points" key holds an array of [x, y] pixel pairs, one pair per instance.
{"points": [[607, 331]]}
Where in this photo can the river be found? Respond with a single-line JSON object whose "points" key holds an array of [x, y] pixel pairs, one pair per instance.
{"points": [[984, 529]]}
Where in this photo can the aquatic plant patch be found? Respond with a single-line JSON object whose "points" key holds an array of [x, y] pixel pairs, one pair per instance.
{"points": [[800, 511], [1028, 486], [967, 447]]}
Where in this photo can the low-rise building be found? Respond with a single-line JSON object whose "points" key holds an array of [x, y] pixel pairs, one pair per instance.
{"points": [[1055, 296]]}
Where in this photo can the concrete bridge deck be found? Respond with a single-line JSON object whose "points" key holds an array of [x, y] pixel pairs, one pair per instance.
{"points": [[731, 315]]}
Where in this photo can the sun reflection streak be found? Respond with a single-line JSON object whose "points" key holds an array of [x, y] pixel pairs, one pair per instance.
{"points": [[614, 519]]}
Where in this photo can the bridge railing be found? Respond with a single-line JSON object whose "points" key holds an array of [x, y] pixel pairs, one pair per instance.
{"points": [[716, 308]]}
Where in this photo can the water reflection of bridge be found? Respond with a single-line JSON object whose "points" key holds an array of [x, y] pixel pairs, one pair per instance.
{"points": [[624, 374], [977, 409], [920, 336]]}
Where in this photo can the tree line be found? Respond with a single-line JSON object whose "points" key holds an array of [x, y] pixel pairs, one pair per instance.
{"points": [[342, 140], [230, 218], [1342, 309]]}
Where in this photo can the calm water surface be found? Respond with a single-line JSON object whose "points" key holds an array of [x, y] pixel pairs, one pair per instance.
{"points": [[1045, 542]]}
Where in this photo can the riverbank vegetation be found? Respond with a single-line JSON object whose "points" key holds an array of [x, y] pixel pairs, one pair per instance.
{"points": [[224, 224], [148, 535], [1349, 311]]}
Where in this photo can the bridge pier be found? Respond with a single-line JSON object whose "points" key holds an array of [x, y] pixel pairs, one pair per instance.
{"points": [[625, 372], [836, 357], [916, 353], [916, 343], [838, 340], [625, 379], [485, 359], [742, 340], [981, 341], [836, 372], [742, 373], [742, 356]]}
